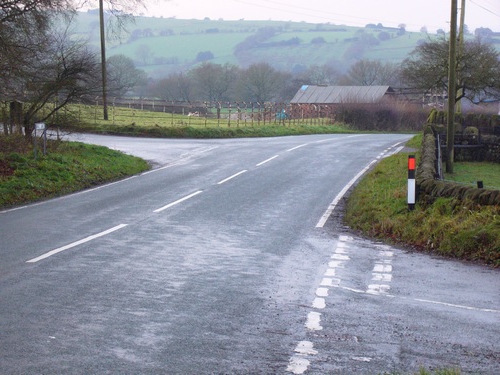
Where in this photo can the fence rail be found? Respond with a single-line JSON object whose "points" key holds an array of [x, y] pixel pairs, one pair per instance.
{"points": [[201, 113]]}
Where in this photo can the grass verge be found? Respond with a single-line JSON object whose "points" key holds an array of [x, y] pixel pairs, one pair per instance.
{"points": [[378, 208], [186, 131], [471, 172], [67, 167]]}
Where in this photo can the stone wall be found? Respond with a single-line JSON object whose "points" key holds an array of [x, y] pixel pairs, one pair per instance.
{"points": [[431, 188]]}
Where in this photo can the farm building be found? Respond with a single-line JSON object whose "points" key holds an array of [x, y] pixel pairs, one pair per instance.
{"points": [[321, 101]]}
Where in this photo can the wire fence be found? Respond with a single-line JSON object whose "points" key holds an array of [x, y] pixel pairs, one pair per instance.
{"points": [[181, 113]]}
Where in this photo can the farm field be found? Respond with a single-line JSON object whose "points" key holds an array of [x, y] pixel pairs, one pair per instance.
{"points": [[161, 46]]}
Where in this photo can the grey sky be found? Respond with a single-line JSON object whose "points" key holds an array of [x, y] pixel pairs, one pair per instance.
{"points": [[434, 14]]}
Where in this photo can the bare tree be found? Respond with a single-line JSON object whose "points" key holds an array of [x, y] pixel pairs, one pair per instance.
{"points": [[23, 28], [213, 81], [372, 72], [262, 82], [175, 87], [123, 76], [322, 75], [60, 74], [477, 67]]}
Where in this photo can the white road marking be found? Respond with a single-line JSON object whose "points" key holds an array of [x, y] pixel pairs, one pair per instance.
{"points": [[327, 281], [322, 292], [336, 264], [313, 321], [297, 365], [328, 212], [382, 268], [178, 201], [296, 147], [71, 245], [378, 289], [386, 277], [319, 303], [183, 159], [305, 348], [362, 359], [340, 257], [231, 177], [330, 272], [266, 161], [497, 311], [457, 306]]}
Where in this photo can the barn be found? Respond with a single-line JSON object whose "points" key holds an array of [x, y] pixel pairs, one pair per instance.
{"points": [[321, 101]]}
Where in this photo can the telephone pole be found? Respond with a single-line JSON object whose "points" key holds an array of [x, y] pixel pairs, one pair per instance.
{"points": [[103, 60], [461, 36], [450, 136]]}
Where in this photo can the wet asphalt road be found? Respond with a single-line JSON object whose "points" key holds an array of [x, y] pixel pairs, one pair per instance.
{"points": [[215, 263]]}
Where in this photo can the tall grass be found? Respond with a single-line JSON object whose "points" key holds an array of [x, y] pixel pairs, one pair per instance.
{"points": [[67, 167], [378, 207]]}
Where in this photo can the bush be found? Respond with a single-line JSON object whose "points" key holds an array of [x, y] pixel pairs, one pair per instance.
{"points": [[387, 116]]}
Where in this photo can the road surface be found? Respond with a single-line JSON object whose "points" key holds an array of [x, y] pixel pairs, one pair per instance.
{"points": [[224, 259]]}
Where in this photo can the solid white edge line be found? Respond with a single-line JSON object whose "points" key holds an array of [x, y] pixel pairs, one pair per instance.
{"points": [[339, 196], [178, 201], [231, 177], [71, 245], [267, 160]]}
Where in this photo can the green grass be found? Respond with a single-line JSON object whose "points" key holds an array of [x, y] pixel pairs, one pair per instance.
{"points": [[471, 172], [190, 37], [67, 167], [378, 207], [133, 122]]}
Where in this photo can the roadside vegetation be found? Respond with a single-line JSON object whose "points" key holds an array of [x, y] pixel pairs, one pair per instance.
{"points": [[67, 167], [378, 208]]}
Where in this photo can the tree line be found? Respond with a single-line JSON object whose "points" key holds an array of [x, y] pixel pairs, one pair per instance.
{"points": [[42, 65]]}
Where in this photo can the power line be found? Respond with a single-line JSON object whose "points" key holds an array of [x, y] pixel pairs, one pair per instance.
{"points": [[484, 8]]}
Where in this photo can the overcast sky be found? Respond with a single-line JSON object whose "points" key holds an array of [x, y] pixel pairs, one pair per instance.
{"points": [[434, 14]]}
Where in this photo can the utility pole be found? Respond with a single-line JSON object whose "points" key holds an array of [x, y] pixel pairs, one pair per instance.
{"points": [[461, 33], [103, 60], [450, 136]]}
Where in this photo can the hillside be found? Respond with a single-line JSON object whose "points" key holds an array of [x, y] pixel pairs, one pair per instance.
{"points": [[161, 46]]}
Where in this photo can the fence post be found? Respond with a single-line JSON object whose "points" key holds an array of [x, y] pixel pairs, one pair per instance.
{"points": [[411, 182]]}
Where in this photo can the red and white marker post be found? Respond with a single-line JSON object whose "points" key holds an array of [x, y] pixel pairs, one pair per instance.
{"points": [[411, 182]]}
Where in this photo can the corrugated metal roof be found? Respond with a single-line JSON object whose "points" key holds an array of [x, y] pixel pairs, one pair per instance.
{"points": [[309, 94]]}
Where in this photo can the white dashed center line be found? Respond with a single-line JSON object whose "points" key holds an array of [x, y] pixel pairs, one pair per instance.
{"points": [[71, 245]]}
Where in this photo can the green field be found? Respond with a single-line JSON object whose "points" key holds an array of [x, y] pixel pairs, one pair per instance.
{"points": [[186, 38]]}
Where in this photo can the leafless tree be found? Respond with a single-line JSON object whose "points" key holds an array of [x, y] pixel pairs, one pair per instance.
{"points": [[123, 76], [261, 82], [372, 72], [23, 28], [213, 82], [63, 72], [477, 67]]}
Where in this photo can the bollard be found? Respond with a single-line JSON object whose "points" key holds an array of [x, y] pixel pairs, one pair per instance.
{"points": [[411, 182]]}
